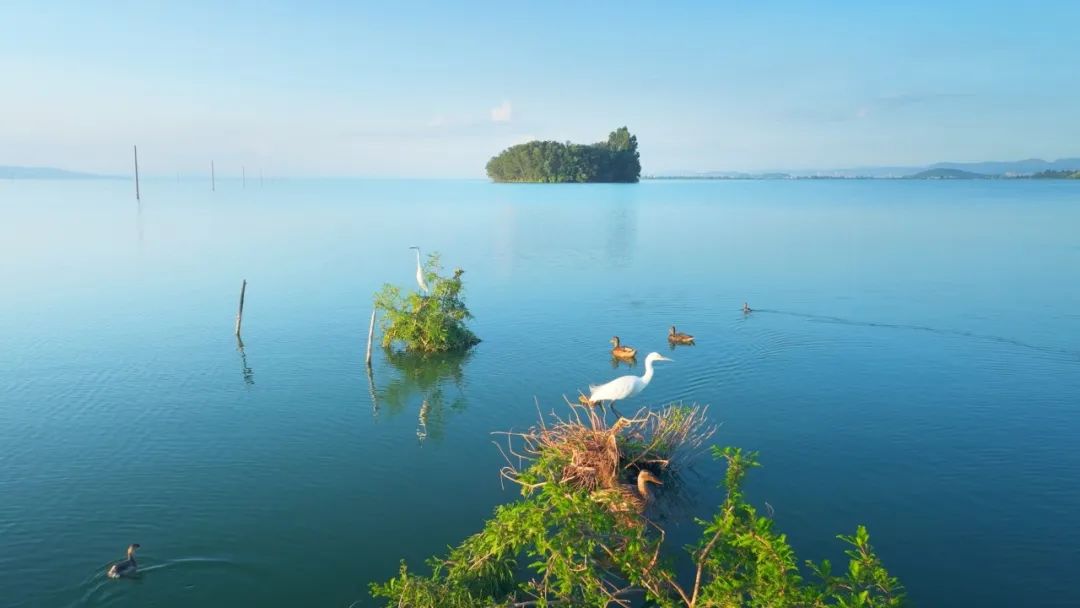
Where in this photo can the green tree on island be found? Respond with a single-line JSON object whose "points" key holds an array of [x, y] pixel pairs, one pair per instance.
{"points": [[614, 160]]}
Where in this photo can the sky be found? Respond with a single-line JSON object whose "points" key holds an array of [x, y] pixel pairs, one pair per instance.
{"points": [[434, 89]]}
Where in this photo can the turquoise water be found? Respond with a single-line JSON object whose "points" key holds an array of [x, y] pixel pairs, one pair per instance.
{"points": [[913, 365]]}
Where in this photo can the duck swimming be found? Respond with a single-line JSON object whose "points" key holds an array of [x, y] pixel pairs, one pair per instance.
{"points": [[621, 352], [676, 337], [746, 308], [125, 567]]}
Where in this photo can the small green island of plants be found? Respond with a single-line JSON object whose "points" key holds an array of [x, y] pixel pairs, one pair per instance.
{"points": [[580, 535], [615, 160], [427, 323]]}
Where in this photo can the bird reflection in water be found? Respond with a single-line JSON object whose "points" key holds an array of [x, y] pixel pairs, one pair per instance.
{"points": [[421, 422], [436, 381]]}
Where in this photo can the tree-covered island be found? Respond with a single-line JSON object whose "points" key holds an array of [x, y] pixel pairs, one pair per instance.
{"points": [[614, 160]]}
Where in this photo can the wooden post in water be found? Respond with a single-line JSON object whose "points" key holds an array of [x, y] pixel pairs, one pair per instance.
{"points": [[370, 335], [243, 176], [137, 196], [240, 313]]}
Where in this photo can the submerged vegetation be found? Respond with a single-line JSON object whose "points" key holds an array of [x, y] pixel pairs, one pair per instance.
{"points": [[614, 160], [579, 536], [432, 323]]}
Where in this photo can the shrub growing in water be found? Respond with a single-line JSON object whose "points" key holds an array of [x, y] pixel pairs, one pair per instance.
{"points": [[432, 323], [582, 552]]}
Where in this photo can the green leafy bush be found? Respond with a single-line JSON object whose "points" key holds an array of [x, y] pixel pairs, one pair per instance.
{"points": [[433, 323], [564, 544]]}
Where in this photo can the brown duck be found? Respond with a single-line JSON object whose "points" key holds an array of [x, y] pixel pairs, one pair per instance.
{"points": [[621, 352], [676, 337]]}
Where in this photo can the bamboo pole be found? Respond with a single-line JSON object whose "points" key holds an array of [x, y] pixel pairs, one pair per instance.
{"points": [[371, 392], [137, 195], [243, 176], [370, 336], [240, 313], [213, 181]]}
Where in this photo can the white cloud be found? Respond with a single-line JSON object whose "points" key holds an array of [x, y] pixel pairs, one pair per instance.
{"points": [[502, 112]]}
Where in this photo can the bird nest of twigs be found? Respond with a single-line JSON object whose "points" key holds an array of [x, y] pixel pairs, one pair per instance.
{"points": [[585, 451]]}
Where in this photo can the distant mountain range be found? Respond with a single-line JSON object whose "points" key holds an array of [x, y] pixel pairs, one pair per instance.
{"points": [[7, 172], [945, 170]]}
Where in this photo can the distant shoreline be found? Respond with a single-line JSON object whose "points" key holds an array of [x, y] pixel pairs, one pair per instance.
{"points": [[11, 172], [857, 178]]}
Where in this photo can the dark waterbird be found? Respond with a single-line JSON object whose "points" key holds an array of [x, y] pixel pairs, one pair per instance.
{"points": [[125, 567]]}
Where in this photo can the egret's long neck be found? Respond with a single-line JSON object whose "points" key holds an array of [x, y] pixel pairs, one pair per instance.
{"points": [[648, 371], [418, 258]]}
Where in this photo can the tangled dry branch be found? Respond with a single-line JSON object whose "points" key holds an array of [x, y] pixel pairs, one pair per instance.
{"points": [[586, 452]]}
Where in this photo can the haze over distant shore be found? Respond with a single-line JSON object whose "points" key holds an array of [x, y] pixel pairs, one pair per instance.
{"points": [[11, 172], [1062, 168], [943, 170]]}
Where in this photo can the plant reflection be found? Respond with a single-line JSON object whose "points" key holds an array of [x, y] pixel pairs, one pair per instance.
{"points": [[434, 381]]}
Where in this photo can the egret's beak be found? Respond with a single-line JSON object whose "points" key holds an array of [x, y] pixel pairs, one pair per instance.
{"points": [[663, 358]]}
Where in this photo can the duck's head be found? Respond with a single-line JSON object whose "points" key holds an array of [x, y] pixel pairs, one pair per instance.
{"points": [[615, 341], [131, 549], [645, 476], [672, 331]]}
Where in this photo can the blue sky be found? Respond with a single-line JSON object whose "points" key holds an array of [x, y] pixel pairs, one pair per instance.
{"points": [[435, 89]]}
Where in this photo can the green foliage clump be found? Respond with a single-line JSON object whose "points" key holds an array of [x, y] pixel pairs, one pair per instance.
{"points": [[614, 160], [565, 545], [432, 323]]}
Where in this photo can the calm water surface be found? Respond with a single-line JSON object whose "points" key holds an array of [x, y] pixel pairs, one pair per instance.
{"points": [[913, 365]]}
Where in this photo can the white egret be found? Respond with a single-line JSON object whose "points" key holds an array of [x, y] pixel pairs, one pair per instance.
{"points": [[419, 271], [625, 387]]}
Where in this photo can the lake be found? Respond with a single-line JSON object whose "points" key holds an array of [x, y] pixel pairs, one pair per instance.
{"points": [[912, 364]]}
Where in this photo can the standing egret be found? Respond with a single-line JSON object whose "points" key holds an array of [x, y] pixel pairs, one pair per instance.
{"points": [[419, 271], [625, 386], [677, 337]]}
